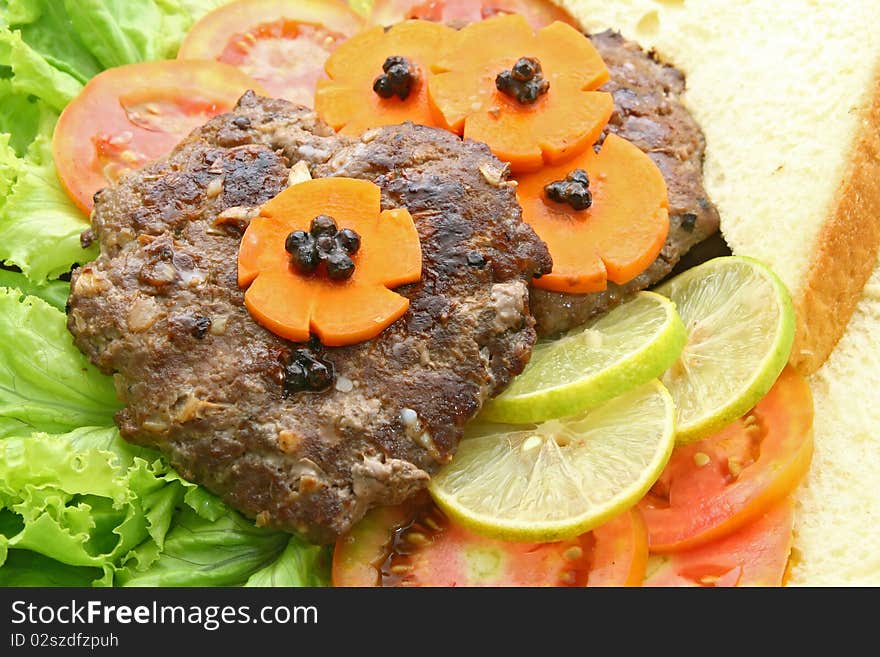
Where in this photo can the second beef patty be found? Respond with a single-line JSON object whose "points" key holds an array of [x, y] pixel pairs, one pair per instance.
{"points": [[648, 112]]}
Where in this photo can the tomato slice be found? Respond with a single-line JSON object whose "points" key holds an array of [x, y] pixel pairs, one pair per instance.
{"points": [[358, 556], [280, 43], [400, 546], [128, 116], [539, 13], [714, 486], [754, 555], [620, 553]]}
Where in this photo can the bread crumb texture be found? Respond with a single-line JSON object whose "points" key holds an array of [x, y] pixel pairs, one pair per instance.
{"points": [[788, 96]]}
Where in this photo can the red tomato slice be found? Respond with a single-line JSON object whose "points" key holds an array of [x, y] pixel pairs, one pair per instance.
{"points": [[714, 486], [539, 13], [754, 555], [128, 116], [280, 43], [389, 548], [620, 552]]}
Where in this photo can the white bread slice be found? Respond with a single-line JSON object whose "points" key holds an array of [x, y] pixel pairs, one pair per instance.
{"points": [[788, 95], [837, 521]]}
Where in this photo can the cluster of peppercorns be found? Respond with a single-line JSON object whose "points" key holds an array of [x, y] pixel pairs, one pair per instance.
{"points": [[524, 81], [307, 370], [397, 80], [324, 243], [574, 190]]}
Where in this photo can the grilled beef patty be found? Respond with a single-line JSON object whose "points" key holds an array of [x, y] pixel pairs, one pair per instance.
{"points": [[648, 112], [161, 310]]}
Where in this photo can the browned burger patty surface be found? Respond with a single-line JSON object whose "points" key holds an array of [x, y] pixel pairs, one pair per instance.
{"points": [[161, 310], [649, 113]]}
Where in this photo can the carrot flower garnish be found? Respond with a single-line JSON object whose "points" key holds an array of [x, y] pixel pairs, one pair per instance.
{"points": [[380, 77], [603, 216], [321, 259], [531, 97]]}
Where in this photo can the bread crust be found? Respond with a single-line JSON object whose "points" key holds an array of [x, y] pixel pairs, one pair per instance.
{"points": [[846, 249]]}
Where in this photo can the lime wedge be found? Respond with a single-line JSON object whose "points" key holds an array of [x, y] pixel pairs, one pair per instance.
{"points": [[561, 478], [629, 346], [740, 326]]}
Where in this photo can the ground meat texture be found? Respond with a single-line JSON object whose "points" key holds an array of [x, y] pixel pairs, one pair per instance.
{"points": [[161, 310], [648, 112]]}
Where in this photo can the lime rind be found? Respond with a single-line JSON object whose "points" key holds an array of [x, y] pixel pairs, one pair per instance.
{"points": [[629, 346], [740, 321], [560, 478]]}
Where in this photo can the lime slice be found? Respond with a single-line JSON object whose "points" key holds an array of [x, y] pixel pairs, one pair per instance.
{"points": [[634, 343], [740, 324], [561, 478]]}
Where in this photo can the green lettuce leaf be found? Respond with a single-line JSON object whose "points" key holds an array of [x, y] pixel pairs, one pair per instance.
{"points": [[46, 383], [87, 508], [156, 490], [83, 37], [45, 27], [32, 74], [301, 564], [19, 118], [26, 568], [54, 293], [39, 224], [130, 30], [202, 552], [80, 507]]}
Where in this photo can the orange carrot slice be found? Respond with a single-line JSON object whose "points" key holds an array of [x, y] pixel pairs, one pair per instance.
{"points": [[618, 236], [561, 124], [347, 101], [294, 305]]}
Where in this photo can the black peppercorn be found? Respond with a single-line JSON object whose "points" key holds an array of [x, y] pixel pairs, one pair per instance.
{"points": [[323, 225], [295, 377], [308, 370], [348, 240], [339, 266], [574, 190], [397, 80], [525, 69], [525, 81], [305, 258], [579, 176], [578, 196], [319, 376], [382, 86], [323, 243], [296, 240]]}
